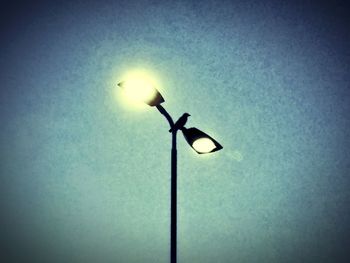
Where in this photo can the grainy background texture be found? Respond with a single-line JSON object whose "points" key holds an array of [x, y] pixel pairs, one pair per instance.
{"points": [[85, 178]]}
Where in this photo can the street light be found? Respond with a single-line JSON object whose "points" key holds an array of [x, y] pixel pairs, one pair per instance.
{"points": [[141, 89], [200, 141]]}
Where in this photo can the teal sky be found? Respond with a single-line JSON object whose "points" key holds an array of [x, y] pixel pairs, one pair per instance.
{"points": [[85, 178]]}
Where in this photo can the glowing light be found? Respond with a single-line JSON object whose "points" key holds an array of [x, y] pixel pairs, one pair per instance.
{"points": [[139, 90], [138, 86], [203, 145]]}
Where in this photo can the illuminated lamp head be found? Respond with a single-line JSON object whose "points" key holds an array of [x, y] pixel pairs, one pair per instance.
{"points": [[138, 87], [200, 141]]}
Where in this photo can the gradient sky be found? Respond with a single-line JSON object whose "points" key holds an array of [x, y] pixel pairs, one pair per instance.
{"points": [[85, 177]]}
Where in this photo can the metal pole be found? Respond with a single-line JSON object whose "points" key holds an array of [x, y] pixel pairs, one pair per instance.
{"points": [[173, 190], [173, 200]]}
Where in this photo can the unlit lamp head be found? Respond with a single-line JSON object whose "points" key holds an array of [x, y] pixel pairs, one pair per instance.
{"points": [[139, 89], [200, 141]]}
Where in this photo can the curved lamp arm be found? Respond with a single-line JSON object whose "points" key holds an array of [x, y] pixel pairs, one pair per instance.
{"points": [[163, 111]]}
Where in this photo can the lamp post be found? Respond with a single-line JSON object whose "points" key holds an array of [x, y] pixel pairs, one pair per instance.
{"points": [[201, 142]]}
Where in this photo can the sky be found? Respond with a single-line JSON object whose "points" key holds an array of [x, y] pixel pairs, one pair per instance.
{"points": [[85, 176]]}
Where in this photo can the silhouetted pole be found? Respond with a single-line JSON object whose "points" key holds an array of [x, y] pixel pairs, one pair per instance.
{"points": [[173, 194], [173, 223]]}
